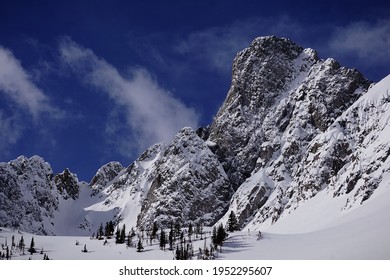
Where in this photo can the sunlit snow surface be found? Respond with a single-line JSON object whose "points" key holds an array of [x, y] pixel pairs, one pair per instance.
{"points": [[317, 230]]}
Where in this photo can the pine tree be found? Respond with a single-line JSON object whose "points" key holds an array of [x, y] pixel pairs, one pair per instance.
{"points": [[171, 238], [190, 231], [107, 232], [177, 228], [122, 237], [100, 232], [178, 253], [199, 229], [111, 227], [154, 231], [140, 247], [232, 222], [163, 240], [32, 245], [118, 235], [13, 241], [22, 245], [214, 239], [221, 235]]}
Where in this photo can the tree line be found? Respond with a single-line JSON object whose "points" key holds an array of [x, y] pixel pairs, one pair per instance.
{"points": [[176, 237]]}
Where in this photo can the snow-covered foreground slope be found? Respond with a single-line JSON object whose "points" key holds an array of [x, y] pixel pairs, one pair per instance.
{"points": [[317, 230]]}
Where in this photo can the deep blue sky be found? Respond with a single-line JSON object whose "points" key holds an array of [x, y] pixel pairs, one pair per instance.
{"points": [[83, 83]]}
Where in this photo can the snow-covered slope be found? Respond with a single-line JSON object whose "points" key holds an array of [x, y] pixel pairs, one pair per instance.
{"points": [[349, 161], [308, 233], [122, 196]]}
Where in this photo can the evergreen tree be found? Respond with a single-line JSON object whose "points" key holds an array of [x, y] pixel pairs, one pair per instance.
{"points": [[107, 232], [214, 239], [22, 245], [190, 231], [13, 241], [221, 235], [177, 228], [163, 240], [32, 246], [100, 232], [232, 222], [118, 235], [154, 231], [199, 229], [111, 227], [123, 234], [177, 253], [140, 247], [171, 238]]}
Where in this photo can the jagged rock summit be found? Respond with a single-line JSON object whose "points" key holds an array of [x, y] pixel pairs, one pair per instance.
{"points": [[282, 96], [292, 126]]}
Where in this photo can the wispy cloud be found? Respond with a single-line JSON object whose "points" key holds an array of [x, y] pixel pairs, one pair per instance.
{"points": [[22, 98], [152, 112], [368, 41], [17, 85]]}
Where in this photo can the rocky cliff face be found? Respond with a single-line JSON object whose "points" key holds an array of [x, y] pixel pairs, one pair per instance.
{"points": [[28, 196], [292, 125], [292, 116], [281, 96], [182, 181], [189, 184], [67, 184]]}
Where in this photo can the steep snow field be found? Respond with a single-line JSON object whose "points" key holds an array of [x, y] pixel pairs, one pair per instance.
{"points": [[319, 230]]}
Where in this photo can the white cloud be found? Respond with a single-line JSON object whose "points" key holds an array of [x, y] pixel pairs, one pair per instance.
{"points": [[366, 41], [152, 112], [17, 85], [18, 89]]}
